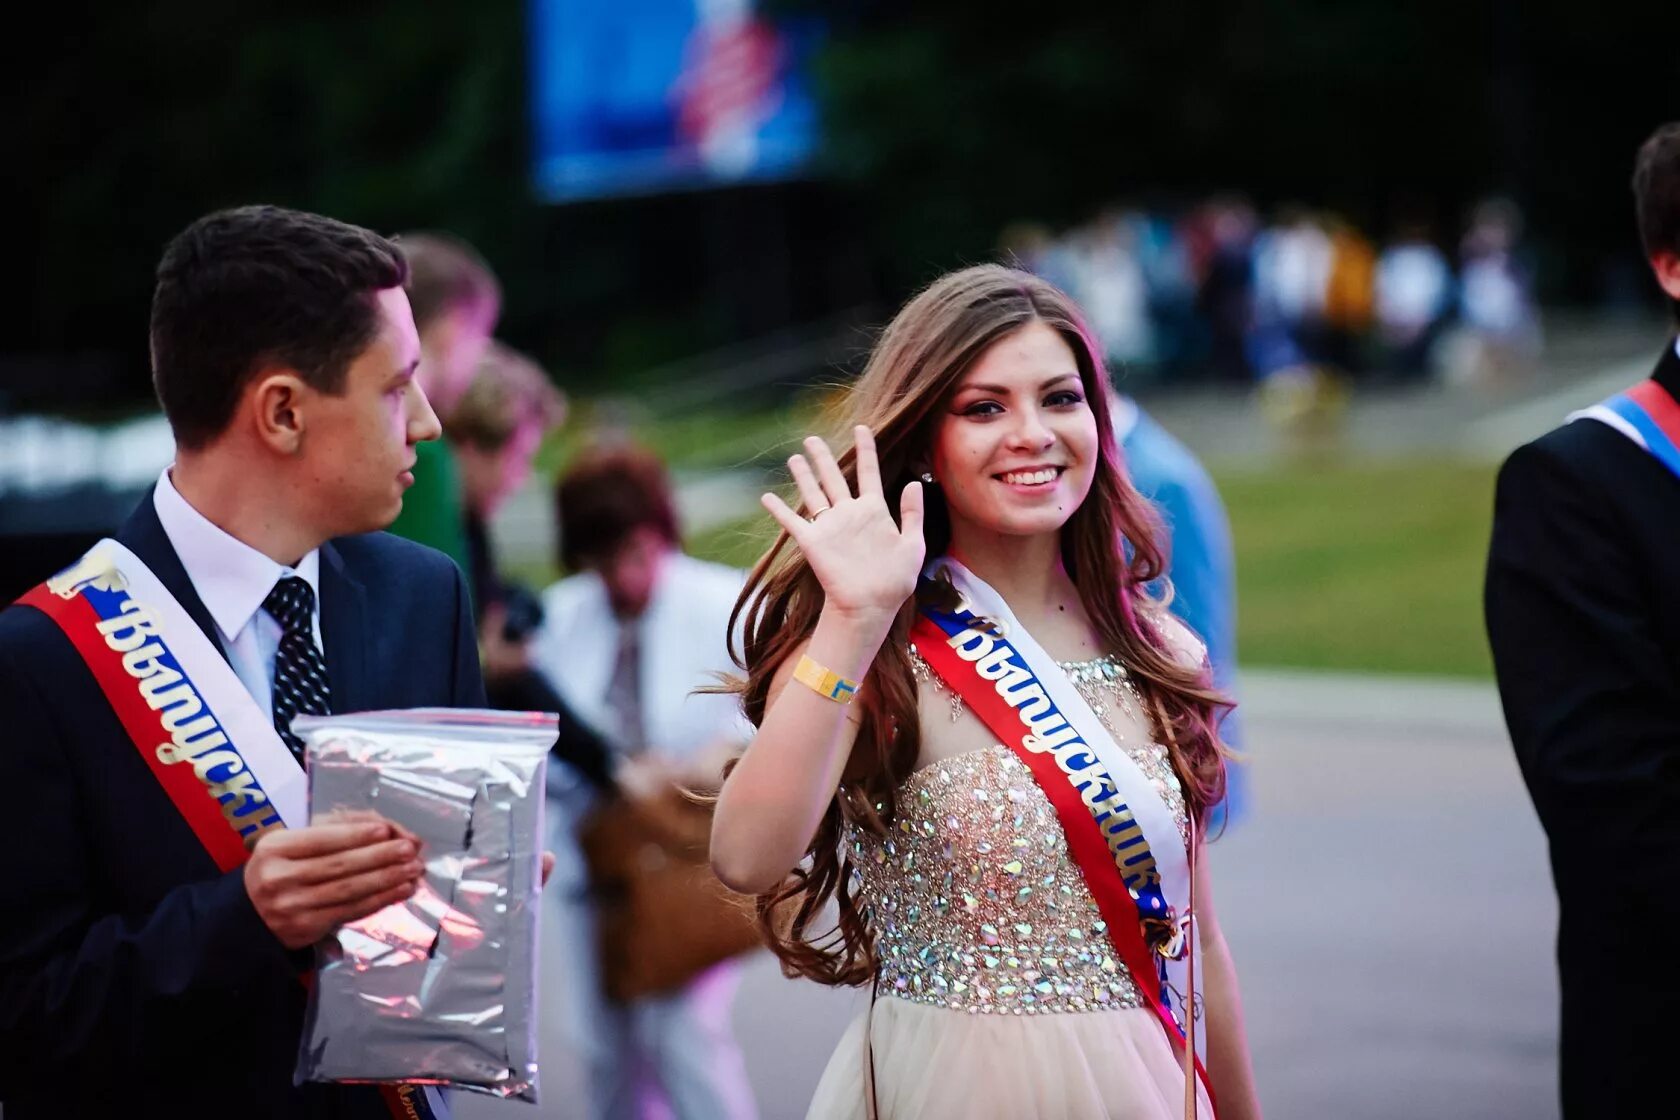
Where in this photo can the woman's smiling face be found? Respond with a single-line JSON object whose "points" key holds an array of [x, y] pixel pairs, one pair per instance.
{"points": [[1016, 449]]}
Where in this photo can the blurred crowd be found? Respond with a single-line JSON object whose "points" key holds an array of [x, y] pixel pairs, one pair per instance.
{"points": [[1213, 291]]}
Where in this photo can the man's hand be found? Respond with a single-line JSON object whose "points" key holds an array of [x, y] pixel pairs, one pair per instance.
{"points": [[306, 882], [645, 776], [500, 657]]}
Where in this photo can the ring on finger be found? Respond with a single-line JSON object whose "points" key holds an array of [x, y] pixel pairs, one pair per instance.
{"points": [[819, 513]]}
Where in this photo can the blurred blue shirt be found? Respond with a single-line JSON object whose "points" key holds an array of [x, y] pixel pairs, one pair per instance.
{"points": [[1201, 565]]}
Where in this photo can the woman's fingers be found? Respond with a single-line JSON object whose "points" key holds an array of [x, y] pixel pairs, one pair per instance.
{"points": [[828, 471], [910, 511], [785, 517], [868, 468], [811, 494]]}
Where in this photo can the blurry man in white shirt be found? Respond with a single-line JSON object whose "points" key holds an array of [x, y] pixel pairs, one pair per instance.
{"points": [[626, 641]]}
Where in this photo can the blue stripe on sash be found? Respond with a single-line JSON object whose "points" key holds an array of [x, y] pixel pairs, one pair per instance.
{"points": [[1656, 440]]}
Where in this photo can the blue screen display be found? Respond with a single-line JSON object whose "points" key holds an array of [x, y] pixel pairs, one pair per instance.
{"points": [[640, 96]]}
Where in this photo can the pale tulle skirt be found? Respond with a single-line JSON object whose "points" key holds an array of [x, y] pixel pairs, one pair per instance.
{"points": [[932, 1063]]}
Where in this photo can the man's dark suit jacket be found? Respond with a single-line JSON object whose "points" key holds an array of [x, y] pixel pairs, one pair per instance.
{"points": [[132, 972], [1583, 612]]}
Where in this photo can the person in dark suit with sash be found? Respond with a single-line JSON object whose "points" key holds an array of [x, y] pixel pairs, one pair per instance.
{"points": [[1583, 613], [146, 966]]}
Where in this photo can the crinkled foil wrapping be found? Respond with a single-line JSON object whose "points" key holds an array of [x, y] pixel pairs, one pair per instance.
{"points": [[439, 989]]}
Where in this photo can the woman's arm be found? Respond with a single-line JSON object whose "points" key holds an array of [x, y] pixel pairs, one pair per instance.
{"points": [[1228, 1065], [776, 795], [867, 564]]}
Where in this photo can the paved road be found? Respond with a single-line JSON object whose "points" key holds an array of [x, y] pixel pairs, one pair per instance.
{"points": [[1387, 900]]}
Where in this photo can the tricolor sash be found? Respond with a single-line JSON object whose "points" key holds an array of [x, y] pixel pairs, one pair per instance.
{"points": [[216, 754], [1647, 415], [1119, 831]]}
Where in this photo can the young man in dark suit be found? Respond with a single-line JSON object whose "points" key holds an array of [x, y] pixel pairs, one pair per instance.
{"points": [[1583, 612], [134, 974]]}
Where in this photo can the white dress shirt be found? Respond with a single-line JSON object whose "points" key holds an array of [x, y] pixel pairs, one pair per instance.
{"points": [[233, 579], [684, 643]]}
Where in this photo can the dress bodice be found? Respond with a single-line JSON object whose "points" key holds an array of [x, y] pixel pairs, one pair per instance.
{"points": [[973, 899]]}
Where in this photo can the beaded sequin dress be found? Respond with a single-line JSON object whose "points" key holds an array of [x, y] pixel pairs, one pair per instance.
{"points": [[999, 993]]}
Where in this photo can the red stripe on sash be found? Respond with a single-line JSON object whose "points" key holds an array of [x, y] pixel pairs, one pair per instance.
{"points": [[79, 622], [1085, 841], [1659, 406], [203, 814], [405, 1102]]}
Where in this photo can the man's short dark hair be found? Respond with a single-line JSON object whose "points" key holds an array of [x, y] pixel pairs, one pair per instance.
{"points": [[608, 492], [255, 287], [446, 274], [1656, 193]]}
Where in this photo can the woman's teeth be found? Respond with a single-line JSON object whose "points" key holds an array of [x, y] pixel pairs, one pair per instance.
{"points": [[1030, 478]]}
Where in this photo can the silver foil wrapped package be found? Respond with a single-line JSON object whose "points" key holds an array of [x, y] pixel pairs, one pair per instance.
{"points": [[440, 989]]}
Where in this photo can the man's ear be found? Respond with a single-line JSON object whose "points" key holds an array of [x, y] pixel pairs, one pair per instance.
{"points": [[275, 401], [1667, 268]]}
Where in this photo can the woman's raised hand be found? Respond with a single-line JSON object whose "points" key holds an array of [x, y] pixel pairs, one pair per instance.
{"points": [[867, 564]]}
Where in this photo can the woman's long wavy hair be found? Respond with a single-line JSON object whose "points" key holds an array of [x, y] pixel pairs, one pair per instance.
{"points": [[1109, 547]]}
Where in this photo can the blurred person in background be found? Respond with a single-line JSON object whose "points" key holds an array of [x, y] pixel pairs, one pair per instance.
{"points": [[1414, 288], [1285, 342], [456, 300], [626, 641], [1291, 281], [495, 429], [1180, 338], [1500, 336], [1349, 296], [1583, 614], [1312, 306], [1201, 566], [1108, 282], [1309, 401], [1223, 237], [895, 779]]}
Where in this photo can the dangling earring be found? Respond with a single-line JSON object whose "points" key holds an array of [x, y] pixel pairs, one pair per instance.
{"points": [[927, 477]]}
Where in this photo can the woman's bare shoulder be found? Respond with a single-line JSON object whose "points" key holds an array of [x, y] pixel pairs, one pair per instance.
{"points": [[1185, 645]]}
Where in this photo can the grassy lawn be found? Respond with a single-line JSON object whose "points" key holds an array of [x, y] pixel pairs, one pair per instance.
{"points": [[737, 543], [1363, 567], [1372, 567], [698, 440]]}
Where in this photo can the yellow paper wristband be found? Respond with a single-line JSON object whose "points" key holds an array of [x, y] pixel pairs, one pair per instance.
{"points": [[824, 681]]}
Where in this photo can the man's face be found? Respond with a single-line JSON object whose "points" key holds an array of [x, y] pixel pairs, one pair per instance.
{"points": [[358, 445], [490, 477], [631, 571], [452, 347]]}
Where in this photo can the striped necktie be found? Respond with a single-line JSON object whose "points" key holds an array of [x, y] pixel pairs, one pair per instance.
{"points": [[300, 672], [624, 691]]}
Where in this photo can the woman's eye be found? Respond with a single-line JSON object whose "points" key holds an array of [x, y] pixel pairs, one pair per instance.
{"points": [[1064, 398], [983, 408]]}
